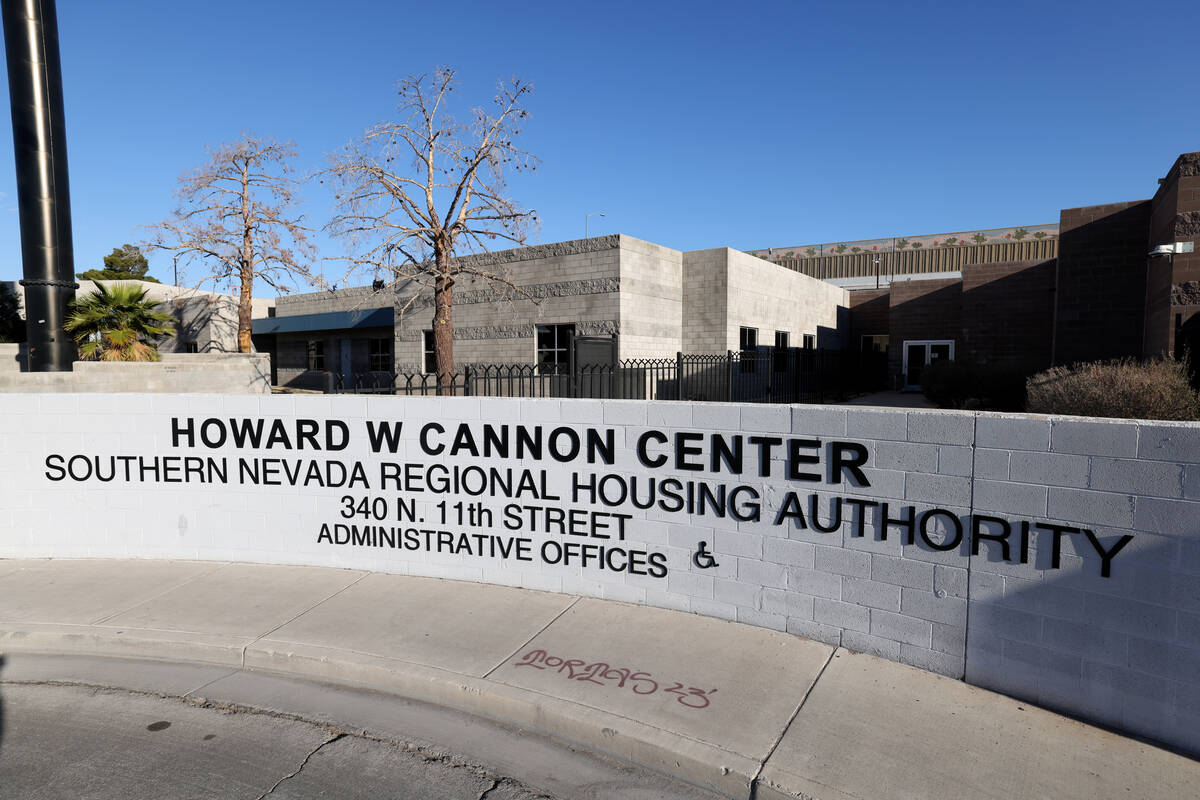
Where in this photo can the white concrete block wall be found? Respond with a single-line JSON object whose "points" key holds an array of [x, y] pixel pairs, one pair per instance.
{"points": [[1121, 650], [705, 299], [764, 296], [728, 289], [651, 315], [215, 373]]}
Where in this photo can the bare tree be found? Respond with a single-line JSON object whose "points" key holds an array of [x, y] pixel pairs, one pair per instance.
{"points": [[412, 223], [236, 218]]}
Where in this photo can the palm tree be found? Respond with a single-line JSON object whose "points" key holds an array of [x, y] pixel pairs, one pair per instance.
{"points": [[115, 323]]}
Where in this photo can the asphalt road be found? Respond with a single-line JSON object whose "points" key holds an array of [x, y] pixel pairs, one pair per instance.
{"points": [[79, 742], [76, 742]]}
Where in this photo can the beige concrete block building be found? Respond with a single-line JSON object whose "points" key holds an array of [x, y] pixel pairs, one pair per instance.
{"points": [[652, 300]]}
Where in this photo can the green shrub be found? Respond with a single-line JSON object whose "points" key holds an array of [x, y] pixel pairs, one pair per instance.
{"points": [[963, 384], [1156, 389]]}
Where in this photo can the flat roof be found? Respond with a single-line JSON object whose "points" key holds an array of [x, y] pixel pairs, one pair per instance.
{"points": [[329, 321]]}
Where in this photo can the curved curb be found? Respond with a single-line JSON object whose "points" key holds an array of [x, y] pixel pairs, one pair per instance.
{"points": [[683, 758]]}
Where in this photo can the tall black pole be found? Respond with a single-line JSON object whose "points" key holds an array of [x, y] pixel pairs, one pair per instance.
{"points": [[43, 195]]}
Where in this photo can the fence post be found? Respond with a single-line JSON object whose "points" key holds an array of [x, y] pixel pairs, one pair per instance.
{"points": [[467, 381], [823, 371], [678, 374], [729, 371], [797, 370]]}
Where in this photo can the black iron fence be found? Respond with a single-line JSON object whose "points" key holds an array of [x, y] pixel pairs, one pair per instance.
{"points": [[765, 375]]}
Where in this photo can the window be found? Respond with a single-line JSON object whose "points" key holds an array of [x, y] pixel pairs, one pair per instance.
{"points": [[554, 347], [191, 347], [747, 343], [781, 351], [316, 354], [920, 354], [810, 341], [430, 353], [380, 355], [874, 343]]}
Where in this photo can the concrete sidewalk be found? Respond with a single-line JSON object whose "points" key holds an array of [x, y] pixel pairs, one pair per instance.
{"points": [[741, 710]]}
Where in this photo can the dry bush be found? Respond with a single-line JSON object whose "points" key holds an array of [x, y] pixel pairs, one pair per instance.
{"points": [[1157, 389]]}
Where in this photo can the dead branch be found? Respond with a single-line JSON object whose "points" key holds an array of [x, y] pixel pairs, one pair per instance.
{"points": [[451, 200], [235, 219]]}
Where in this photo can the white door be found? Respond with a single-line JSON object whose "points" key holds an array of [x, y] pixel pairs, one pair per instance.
{"points": [[919, 354]]}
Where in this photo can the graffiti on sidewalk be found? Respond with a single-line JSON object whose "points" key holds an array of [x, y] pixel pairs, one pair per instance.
{"points": [[603, 674]]}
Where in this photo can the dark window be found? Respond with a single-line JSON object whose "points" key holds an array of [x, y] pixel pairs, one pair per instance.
{"points": [[810, 341], [781, 351], [381, 355], [875, 343], [554, 347], [748, 343], [191, 347], [316, 354], [430, 353]]}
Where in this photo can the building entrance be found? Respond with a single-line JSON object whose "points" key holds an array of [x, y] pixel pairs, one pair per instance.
{"points": [[919, 354]]}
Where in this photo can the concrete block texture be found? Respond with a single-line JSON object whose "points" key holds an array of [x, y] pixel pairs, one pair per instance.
{"points": [[1167, 441], [842, 562], [1050, 469], [945, 427], [1152, 478], [1094, 438], [1076, 568], [902, 571], [871, 594], [847, 616], [901, 628], [1012, 432], [877, 424]]}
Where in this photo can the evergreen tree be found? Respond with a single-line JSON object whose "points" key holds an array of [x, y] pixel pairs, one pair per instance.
{"points": [[124, 263], [117, 323], [12, 327]]}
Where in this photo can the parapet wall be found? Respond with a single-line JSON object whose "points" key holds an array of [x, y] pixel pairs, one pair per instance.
{"points": [[1053, 559], [217, 373]]}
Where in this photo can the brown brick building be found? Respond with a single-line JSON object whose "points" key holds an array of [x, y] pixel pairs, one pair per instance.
{"points": [[1092, 290]]}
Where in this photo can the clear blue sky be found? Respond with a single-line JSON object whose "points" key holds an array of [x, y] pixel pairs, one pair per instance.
{"points": [[689, 124]]}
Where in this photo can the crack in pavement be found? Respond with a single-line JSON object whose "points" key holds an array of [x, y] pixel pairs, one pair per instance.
{"points": [[430, 753], [303, 763]]}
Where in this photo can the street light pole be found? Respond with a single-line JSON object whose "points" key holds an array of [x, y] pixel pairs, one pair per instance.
{"points": [[43, 195], [585, 221]]}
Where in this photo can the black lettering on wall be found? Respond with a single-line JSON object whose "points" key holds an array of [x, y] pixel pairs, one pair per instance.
{"points": [[766, 446], [431, 449], [955, 525], [683, 450], [177, 431], [848, 457], [979, 534], [1106, 556], [643, 457], [384, 435], [795, 458]]}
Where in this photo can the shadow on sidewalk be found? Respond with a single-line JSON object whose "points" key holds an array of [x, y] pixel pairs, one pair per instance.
{"points": [[1, 705]]}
